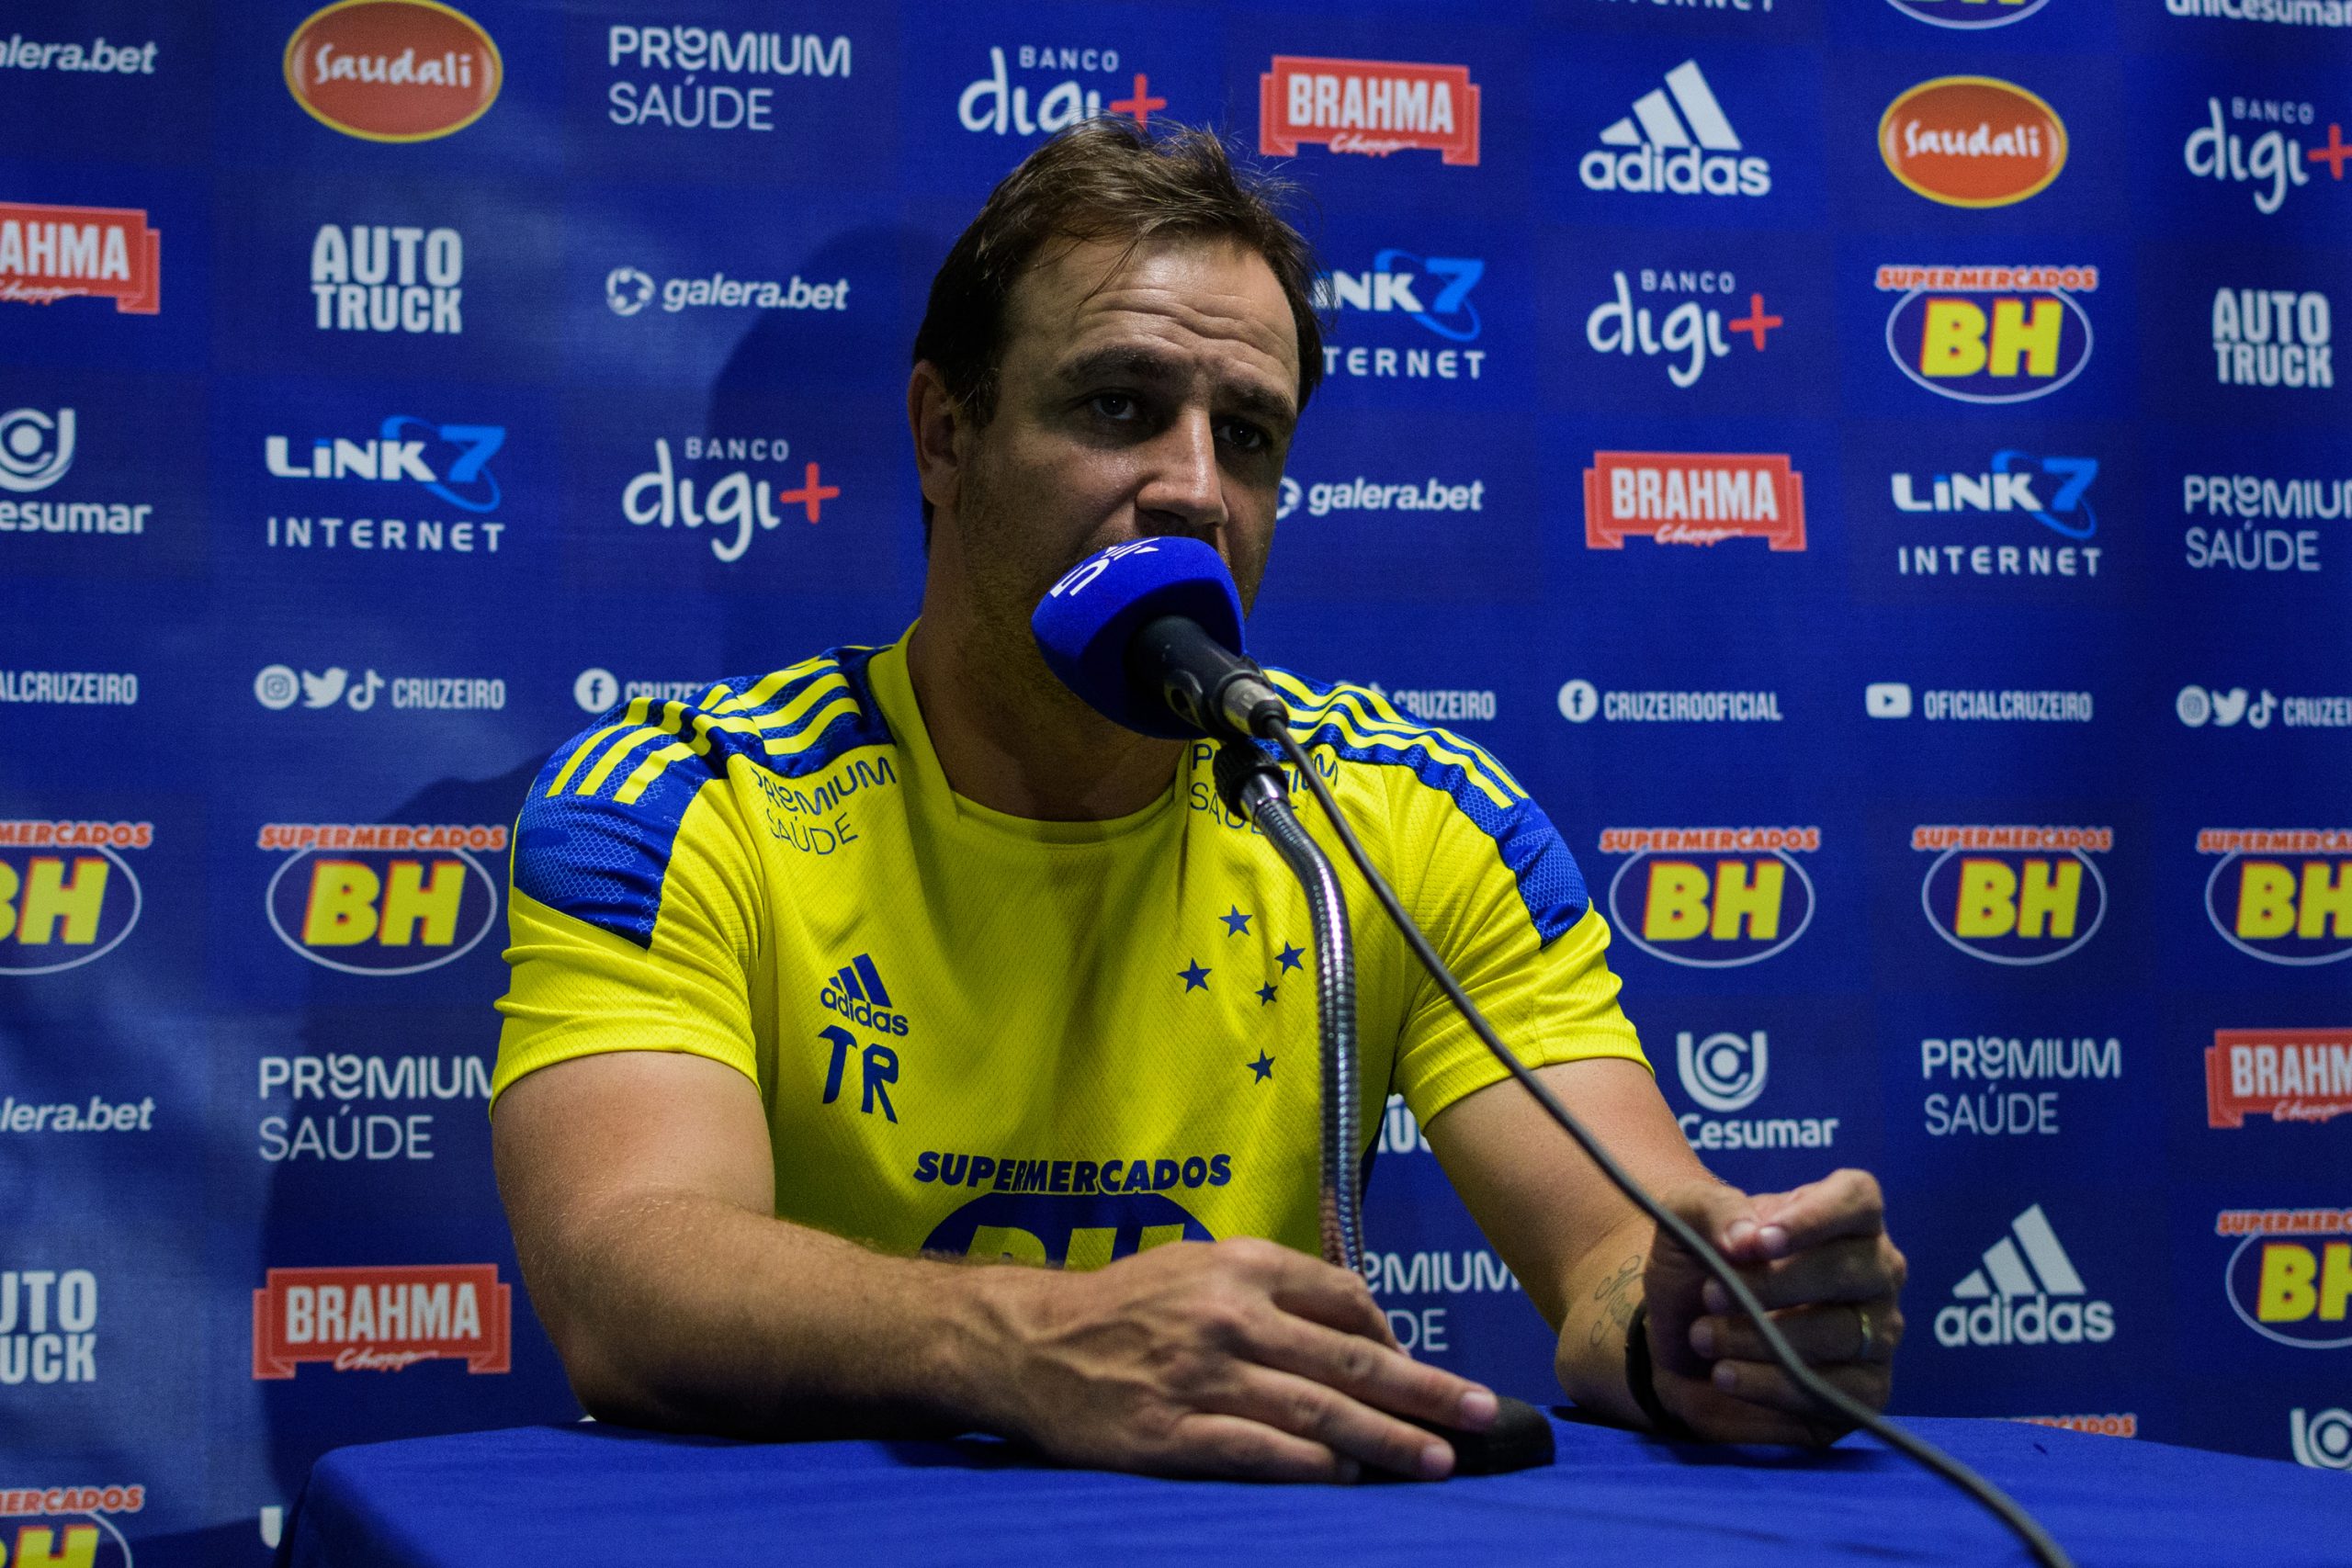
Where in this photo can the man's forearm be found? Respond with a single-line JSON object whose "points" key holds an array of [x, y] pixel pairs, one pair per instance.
{"points": [[1601, 1293], [683, 1311]]}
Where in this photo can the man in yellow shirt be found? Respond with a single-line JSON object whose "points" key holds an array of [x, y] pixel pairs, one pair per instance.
{"points": [[899, 953]]}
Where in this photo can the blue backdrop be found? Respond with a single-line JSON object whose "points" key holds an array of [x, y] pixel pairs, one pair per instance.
{"points": [[1875, 470]]}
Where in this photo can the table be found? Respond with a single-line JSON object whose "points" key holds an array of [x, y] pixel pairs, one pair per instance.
{"points": [[585, 1496]]}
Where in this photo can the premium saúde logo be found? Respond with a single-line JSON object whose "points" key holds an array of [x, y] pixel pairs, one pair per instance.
{"points": [[394, 70], [1973, 142]]}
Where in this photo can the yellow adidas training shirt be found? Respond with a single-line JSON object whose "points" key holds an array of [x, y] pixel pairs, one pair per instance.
{"points": [[1062, 1042]]}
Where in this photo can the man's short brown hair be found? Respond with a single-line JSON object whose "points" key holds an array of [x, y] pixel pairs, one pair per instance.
{"points": [[1107, 179]]}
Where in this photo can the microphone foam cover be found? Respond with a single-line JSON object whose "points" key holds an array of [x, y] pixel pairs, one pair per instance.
{"points": [[1085, 622]]}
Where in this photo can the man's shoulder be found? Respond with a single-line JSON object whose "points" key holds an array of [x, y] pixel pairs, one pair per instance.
{"points": [[597, 829]]}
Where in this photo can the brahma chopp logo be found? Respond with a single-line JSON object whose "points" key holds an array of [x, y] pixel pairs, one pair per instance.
{"points": [[67, 895], [2283, 895], [381, 899], [2013, 895], [2290, 1277], [1710, 897], [394, 70], [48, 254], [1371, 107], [2288, 1074], [383, 1318], [1989, 335], [1694, 498], [70, 1527], [1971, 141]]}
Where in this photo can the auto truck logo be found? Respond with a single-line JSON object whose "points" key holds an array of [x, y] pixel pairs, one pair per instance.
{"points": [[1677, 141], [392, 70], [1971, 141], [1371, 107], [2026, 1292], [1989, 335], [48, 254], [2018, 896]]}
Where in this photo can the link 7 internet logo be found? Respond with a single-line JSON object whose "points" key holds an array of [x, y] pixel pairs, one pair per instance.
{"points": [[1395, 284]]}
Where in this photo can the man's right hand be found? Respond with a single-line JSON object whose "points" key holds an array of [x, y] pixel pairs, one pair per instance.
{"points": [[1238, 1358]]}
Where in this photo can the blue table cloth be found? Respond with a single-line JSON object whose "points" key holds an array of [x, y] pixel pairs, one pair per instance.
{"points": [[590, 1494]]}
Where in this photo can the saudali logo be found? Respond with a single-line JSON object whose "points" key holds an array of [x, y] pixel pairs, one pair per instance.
{"points": [[1973, 142], [2272, 162], [2283, 895], [2288, 1074], [48, 254], [2026, 1294], [392, 70], [2290, 1275], [2273, 337], [382, 1319], [1693, 151], [1694, 498], [2013, 895], [375, 900], [2323, 1440], [1969, 12], [68, 1527], [1989, 335], [67, 895], [1710, 897], [1372, 107]]}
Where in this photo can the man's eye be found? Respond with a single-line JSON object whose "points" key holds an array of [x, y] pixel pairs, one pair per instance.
{"points": [[1246, 436], [1112, 405]]}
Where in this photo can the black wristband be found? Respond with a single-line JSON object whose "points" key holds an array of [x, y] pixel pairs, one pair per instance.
{"points": [[1643, 1384]]}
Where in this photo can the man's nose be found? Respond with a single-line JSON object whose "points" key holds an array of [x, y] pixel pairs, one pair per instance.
{"points": [[1183, 492]]}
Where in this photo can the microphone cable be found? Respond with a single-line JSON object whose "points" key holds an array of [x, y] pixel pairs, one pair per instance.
{"points": [[2038, 1540]]}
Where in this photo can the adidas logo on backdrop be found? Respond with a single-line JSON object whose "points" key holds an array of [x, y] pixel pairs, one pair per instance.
{"points": [[1690, 152], [856, 992], [2026, 1294]]}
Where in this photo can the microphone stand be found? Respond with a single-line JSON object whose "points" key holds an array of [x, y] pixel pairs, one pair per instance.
{"points": [[1252, 784]]}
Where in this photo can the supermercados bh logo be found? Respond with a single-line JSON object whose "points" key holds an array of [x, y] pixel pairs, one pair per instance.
{"points": [[2288, 1074], [2013, 487], [2260, 145], [1725, 1072], [2013, 895], [70, 1527], [48, 254], [36, 451], [381, 899], [392, 70], [1421, 311], [1677, 141], [1972, 14], [1710, 897], [2274, 337], [1371, 106], [383, 1319], [2026, 1292], [447, 462], [68, 896], [1036, 90], [2283, 895], [2250, 502], [1989, 335], [387, 278], [1070, 1214], [1687, 335], [695, 78], [2290, 1277], [1694, 498], [1971, 141], [728, 503], [48, 1327]]}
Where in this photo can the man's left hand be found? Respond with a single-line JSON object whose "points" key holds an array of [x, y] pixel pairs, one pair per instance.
{"points": [[1819, 1260]]}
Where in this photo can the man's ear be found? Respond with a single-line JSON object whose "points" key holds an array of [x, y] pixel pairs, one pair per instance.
{"points": [[933, 418]]}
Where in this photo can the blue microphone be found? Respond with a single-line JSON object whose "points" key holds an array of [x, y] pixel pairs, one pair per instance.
{"points": [[1149, 634]]}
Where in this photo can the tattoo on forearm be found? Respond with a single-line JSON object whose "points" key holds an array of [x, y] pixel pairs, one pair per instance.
{"points": [[1617, 1295]]}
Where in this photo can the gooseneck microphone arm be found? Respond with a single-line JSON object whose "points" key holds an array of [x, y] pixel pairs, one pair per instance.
{"points": [[1252, 784]]}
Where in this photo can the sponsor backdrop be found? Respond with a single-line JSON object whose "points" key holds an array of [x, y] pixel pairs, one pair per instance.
{"points": [[1877, 472]]}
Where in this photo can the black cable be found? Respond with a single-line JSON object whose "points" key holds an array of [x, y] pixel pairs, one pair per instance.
{"points": [[2037, 1540]]}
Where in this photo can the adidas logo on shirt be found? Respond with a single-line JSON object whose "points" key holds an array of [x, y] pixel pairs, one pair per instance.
{"points": [[1677, 141], [856, 992], [2026, 1294]]}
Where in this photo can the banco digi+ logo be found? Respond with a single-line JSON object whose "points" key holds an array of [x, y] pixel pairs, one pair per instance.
{"points": [[366, 898], [2013, 895], [1710, 897]]}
